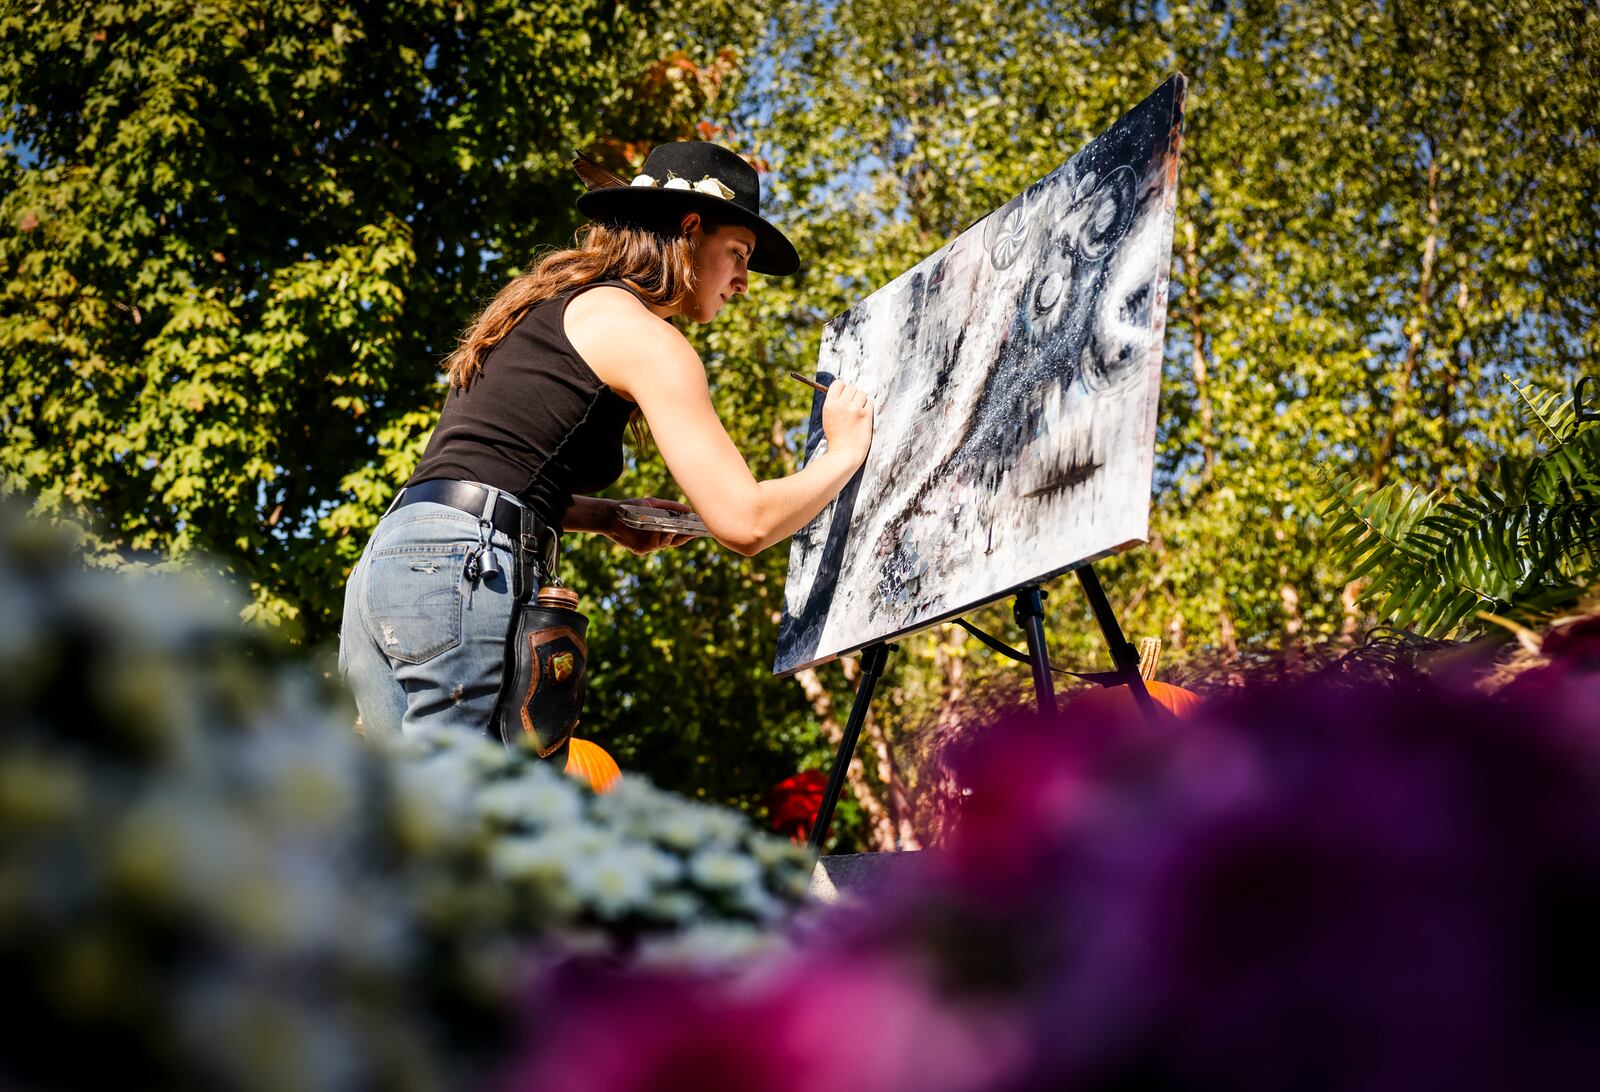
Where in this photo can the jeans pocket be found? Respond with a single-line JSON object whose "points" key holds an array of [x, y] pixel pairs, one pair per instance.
{"points": [[414, 598]]}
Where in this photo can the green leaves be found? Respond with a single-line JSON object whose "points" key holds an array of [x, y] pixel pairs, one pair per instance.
{"points": [[1521, 540], [235, 242]]}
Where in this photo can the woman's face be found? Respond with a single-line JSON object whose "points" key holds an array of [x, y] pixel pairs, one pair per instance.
{"points": [[721, 258]]}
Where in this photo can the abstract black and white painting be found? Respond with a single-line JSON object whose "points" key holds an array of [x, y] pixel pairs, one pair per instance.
{"points": [[1015, 373]]}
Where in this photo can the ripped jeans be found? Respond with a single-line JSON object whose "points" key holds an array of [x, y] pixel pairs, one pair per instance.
{"points": [[421, 644]]}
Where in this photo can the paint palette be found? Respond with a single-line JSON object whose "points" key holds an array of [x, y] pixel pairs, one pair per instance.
{"points": [[644, 518]]}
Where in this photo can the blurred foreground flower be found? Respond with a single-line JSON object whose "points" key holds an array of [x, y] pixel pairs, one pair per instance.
{"points": [[1329, 885], [208, 880], [828, 1024]]}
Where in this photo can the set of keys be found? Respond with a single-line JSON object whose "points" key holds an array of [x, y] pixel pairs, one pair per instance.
{"points": [[481, 563]]}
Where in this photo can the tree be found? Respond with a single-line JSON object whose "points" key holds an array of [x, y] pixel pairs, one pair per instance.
{"points": [[237, 239], [1384, 212]]}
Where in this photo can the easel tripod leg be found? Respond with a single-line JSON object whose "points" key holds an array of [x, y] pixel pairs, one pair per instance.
{"points": [[1123, 654], [872, 661], [1029, 613]]}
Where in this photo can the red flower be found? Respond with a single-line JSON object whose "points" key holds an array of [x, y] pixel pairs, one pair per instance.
{"points": [[795, 801]]}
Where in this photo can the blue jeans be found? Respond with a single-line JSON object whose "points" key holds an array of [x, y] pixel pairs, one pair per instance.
{"points": [[421, 645]]}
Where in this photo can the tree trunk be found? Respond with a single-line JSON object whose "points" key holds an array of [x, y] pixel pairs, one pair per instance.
{"points": [[1289, 597], [1293, 624], [938, 794], [1417, 333], [1197, 337], [880, 828], [903, 834], [1449, 436], [1349, 600], [1227, 639]]}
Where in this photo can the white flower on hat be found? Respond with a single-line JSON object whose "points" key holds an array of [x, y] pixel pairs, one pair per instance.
{"points": [[678, 184], [643, 180], [713, 187]]}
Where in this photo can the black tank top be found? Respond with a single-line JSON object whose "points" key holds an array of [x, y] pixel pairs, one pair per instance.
{"points": [[536, 422]]}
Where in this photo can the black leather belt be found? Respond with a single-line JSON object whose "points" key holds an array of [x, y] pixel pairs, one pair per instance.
{"points": [[509, 516]]}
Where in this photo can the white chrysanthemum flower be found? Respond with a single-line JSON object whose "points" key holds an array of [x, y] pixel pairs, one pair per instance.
{"points": [[682, 830], [488, 757], [756, 901], [613, 883], [579, 840], [723, 871], [769, 852], [633, 807], [706, 946], [724, 825], [660, 868], [672, 906], [631, 794], [538, 801], [543, 861], [643, 180], [428, 810], [448, 774], [541, 857], [713, 187]]}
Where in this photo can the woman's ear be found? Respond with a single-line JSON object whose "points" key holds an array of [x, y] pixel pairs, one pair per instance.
{"points": [[691, 225]]}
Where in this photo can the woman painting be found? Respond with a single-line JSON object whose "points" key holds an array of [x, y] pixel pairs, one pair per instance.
{"points": [[542, 387]]}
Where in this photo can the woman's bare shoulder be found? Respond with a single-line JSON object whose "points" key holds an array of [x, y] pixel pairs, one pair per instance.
{"points": [[619, 337]]}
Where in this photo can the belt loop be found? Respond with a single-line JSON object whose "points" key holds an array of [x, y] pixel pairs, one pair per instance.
{"points": [[396, 502], [490, 500], [527, 527]]}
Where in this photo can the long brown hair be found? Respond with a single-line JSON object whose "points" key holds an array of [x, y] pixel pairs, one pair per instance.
{"points": [[658, 266]]}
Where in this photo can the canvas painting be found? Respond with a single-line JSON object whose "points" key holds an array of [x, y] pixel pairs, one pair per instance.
{"points": [[1015, 375]]}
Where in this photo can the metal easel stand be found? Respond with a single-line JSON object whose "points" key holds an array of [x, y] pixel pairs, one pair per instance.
{"points": [[1123, 653], [872, 661], [1028, 610]]}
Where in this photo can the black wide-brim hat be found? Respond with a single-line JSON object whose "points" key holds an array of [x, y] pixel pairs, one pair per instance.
{"points": [[688, 176]]}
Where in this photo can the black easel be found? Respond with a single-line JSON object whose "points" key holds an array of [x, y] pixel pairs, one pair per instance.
{"points": [[1028, 610], [872, 661]]}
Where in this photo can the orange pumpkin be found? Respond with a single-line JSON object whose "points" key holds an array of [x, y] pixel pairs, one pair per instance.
{"points": [[1119, 700], [590, 763]]}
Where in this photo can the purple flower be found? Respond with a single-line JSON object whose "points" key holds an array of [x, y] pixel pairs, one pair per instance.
{"points": [[1311, 887], [1321, 885], [828, 1025]]}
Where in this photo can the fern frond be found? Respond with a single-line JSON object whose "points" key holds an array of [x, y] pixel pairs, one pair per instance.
{"points": [[1573, 463], [1396, 535], [1521, 539], [1371, 524], [1554, 415]]}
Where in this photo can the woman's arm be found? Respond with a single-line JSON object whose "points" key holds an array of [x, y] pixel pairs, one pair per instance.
{"points": [[592, 514], [649, 361]]}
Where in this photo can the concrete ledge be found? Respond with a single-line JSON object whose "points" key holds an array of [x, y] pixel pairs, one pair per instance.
{"points": [[852, 877]]}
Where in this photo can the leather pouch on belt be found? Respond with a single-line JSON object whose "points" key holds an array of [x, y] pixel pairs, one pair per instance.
{"points": [[544, 698]]}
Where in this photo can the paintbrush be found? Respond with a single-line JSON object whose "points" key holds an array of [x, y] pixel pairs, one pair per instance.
{"points": [[812, 383]]}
